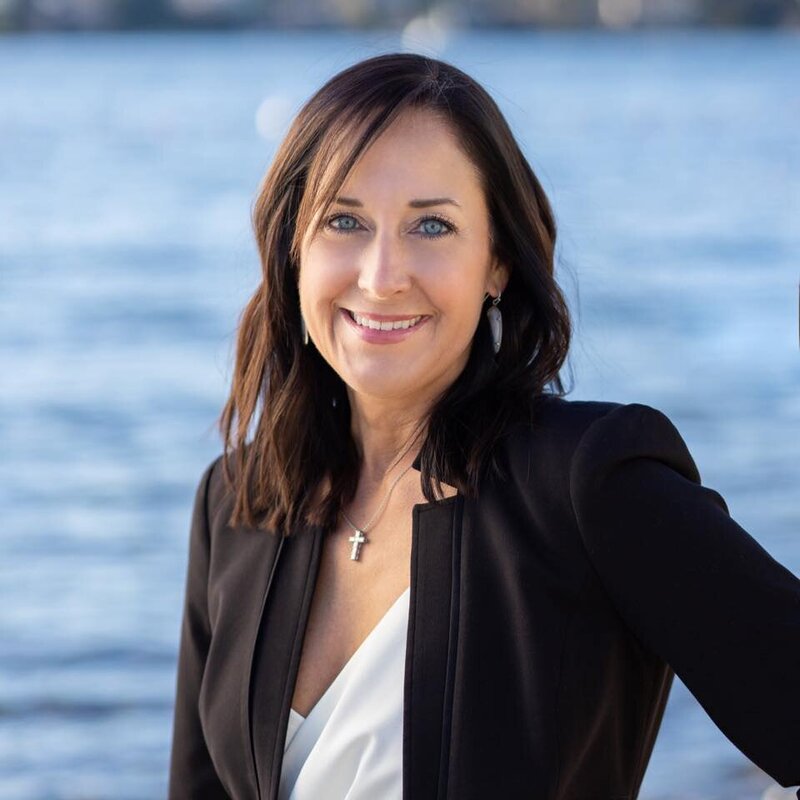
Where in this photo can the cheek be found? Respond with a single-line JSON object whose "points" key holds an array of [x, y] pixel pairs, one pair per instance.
{"points": [[456, 282], [323, 272]]}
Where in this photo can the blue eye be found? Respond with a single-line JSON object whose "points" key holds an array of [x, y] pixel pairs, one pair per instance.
{"points": [[345, 228], [444, 228]]}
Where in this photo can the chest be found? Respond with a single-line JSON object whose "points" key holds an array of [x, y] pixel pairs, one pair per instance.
{"points": [[351, 596]]}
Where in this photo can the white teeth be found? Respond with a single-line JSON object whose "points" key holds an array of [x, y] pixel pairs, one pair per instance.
{"points": [[384, 326]]}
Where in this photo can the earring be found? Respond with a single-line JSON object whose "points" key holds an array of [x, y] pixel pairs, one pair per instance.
{"points": [[495, 323], [303, 330]]}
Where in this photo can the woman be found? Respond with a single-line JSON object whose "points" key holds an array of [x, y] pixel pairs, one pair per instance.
{"points": [[416, 569]]}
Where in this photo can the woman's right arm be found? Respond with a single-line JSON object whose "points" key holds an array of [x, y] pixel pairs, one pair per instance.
{"points": [[191, 772]]}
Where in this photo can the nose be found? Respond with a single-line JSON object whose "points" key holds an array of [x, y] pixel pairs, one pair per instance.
{"points": [[383, 270]]}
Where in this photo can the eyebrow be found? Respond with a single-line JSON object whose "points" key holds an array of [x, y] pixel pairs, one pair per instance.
{"points": [[427, 202]]}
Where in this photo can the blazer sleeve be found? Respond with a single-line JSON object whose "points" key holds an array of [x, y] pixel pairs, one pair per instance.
{"points": [[191, 773], [694, 586]]}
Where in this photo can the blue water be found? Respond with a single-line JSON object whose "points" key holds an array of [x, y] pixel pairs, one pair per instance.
{"points": [[128, 164]]}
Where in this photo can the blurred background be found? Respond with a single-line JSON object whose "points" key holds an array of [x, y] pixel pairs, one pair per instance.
{"points": [[133, 136], [215, 14]]}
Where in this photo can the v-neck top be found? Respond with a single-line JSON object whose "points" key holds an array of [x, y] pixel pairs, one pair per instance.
{"points": [[351, 743]]}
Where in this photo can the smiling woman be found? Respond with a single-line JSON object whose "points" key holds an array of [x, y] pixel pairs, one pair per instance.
{"points": [[426, 574]]}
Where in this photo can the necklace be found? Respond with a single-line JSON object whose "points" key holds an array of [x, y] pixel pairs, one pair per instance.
{"points": [[358, 538]]}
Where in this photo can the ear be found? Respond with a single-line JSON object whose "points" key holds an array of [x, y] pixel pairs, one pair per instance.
{"points": [[498, 276]]}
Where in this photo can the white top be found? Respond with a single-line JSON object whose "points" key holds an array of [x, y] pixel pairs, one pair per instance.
{"points": [[350, 746]]}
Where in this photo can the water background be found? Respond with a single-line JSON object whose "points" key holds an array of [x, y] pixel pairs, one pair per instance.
{"points": [[128, 164]]}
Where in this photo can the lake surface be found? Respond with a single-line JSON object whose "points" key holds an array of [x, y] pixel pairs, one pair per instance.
{"points": [[128, 164]]}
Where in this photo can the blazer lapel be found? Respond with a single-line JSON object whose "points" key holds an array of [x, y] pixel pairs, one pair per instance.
{"points": [[430, 654], [431, 647], [277, 650]]}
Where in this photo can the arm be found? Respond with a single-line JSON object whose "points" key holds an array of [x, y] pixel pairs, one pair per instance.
{"points": [[693, 585], [191, 773]]}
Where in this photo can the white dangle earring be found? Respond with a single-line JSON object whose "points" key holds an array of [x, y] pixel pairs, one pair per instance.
{"points": [[303, 330], [495, 322]]}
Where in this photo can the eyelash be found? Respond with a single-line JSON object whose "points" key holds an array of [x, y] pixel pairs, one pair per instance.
{"points": [[451, 228]]}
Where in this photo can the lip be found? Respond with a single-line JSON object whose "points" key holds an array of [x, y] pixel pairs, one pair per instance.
{"points": [[383, 337], [384, 317]]}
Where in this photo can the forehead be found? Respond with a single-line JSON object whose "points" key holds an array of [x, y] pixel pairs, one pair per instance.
{"points": [[420, 146], [419, 150]]}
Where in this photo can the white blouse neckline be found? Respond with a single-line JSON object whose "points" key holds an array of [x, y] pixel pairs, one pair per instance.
{"points": [[345, 670], [351, 743]]}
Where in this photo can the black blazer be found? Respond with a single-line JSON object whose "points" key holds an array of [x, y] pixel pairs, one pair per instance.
{"points": [[546, 619]]}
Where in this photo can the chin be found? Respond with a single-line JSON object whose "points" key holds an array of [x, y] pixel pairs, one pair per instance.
{"points": [[380, 385]]}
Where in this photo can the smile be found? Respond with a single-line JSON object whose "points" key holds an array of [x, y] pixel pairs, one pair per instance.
{"points": [[384, 330], [384, 325]]}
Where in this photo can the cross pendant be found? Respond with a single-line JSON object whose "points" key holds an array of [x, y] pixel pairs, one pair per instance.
{"points": [[357, 539]]}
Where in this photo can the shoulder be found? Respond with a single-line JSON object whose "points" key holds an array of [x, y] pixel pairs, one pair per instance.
{"points": [[214, 493], [569, 439], [554, 427]]}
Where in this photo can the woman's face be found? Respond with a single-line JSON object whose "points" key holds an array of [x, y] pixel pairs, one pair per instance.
{"points": [[407, 241]]}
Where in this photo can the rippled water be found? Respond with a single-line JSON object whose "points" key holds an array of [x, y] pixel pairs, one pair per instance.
{"points": [[127, 167]]}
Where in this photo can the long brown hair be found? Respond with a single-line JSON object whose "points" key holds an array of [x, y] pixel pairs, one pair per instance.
{"points": [[302, 463]]}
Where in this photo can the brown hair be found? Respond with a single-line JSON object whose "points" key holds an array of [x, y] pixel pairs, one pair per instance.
{"points": [[302, 463]]}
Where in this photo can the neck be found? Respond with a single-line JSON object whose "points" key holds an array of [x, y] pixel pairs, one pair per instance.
{"points": [[383, 433]]}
